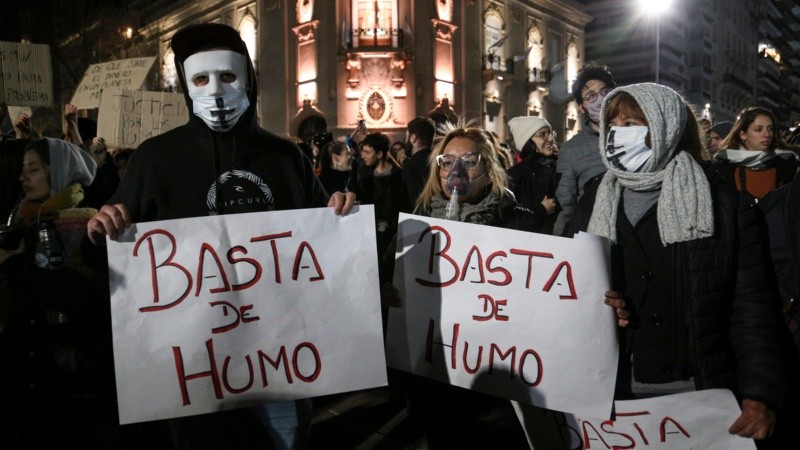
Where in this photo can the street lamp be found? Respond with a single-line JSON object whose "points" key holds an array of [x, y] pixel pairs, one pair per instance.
{"points": [[656, 9]]}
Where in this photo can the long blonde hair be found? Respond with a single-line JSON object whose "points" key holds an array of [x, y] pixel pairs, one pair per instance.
{"points": [[489, 149]]}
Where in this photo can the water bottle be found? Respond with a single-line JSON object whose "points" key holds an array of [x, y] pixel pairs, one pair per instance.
{"points": [[49, 252]]}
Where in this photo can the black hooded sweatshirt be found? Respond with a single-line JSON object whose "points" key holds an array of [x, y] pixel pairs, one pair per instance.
{"points": [[192, 171]]}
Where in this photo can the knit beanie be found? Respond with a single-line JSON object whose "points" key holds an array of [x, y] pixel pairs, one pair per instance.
{"points": [[523, 128], [721, 128]]}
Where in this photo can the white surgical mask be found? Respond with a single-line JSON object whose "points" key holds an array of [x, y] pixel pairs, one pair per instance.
{"points": [[626, 149], [216, 82], [593, 109]]}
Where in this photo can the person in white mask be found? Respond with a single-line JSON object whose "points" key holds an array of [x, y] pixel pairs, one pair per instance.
{"points": [[578, 161], [220, 162], [689, 286]]}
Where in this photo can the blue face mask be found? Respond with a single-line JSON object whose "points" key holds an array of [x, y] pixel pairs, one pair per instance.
{"points": [[626, 149]]}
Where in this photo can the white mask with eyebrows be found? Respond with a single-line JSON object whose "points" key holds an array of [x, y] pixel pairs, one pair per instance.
{"points": [[216, 81]]}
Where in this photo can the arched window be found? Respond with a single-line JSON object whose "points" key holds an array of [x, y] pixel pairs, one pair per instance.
{"points": [[376, 22], [169, 75], [535, 55], [493, 38], [247, 30], [572, 65]]}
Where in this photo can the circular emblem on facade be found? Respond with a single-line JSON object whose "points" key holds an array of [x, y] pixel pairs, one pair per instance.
{"points": [[376, 107]]}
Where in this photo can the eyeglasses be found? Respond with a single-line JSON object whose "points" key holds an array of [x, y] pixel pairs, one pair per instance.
{"points": [[546, 134], [591, 96], [469, 161]]}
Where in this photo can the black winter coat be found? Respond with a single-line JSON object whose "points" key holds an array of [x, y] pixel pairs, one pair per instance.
{"points": [[532, 180], [724, 326]]}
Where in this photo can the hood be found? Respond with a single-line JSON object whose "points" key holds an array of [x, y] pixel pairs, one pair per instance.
{"points": [[666, 115], [68, 164], [189, 40]]}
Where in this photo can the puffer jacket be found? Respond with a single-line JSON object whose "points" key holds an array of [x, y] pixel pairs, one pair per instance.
{"points": [[731, 324]]}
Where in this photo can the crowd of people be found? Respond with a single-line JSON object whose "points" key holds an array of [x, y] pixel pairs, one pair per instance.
{"points": [[703, 223]]}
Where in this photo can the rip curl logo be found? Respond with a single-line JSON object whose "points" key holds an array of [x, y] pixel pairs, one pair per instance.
{"points": [[239, 191]]}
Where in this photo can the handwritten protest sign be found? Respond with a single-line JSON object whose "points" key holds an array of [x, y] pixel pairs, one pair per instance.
{"points": [[26, 74], [227, 311], [693, 420], [513, 314], [126, 118], [120, 74], [15, 111]]}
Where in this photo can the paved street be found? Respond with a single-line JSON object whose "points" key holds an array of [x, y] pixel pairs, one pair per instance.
{"points": [[371, 419]]}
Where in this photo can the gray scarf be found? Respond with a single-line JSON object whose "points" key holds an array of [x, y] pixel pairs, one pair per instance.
{"points": [[684, 211], [485, 212]]}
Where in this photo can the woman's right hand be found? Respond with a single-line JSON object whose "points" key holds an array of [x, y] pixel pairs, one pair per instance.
{"points": [[614, 299], [549, 204]]}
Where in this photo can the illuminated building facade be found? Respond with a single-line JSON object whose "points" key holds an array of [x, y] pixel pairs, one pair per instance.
{"points": [[327, 64]]}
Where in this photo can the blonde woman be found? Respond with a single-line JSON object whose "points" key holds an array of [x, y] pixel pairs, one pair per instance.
{"points": [[467, 175], [467, 182]]}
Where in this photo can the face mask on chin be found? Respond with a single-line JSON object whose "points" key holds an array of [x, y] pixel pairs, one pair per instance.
{"points": [[626, 149], [222, 100]]}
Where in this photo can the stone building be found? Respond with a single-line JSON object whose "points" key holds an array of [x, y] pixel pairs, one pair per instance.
{"points": [[328, 64]]}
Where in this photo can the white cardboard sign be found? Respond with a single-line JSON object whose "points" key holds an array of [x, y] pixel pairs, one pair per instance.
{"points": [[120, 74], [26, 74], [221, 312], [127, 118], [693, 420], [513, 314]]}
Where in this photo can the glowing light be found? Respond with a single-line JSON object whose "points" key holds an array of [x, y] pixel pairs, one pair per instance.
{"points": [[654, 7]]}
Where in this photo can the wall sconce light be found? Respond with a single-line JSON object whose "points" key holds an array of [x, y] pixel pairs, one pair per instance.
{"points": [[128, 33], [571, 120], [493, 108]]}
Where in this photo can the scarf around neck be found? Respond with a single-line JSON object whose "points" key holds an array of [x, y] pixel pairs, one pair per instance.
{"points": [[685, 210], [755, 160], [31, 212], [485, 212]]}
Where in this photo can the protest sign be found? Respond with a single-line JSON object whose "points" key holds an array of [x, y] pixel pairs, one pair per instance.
{"points": [[127, 118], [692, 420], [120, 74], [15, 111], [513, 314], [220, 312], [26, 74]]}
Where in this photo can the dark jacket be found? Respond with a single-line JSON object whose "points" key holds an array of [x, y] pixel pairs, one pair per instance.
{"points": [[453, 417], [772, 209], [415, 172], [532, 180], [700, 308]]}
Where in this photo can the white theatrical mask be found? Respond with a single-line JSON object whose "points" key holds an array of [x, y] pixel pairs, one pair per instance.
{"points": [[216, 81]]}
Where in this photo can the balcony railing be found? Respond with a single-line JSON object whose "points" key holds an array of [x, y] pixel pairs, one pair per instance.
{"points": [[498, 64], [537, 76]]}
